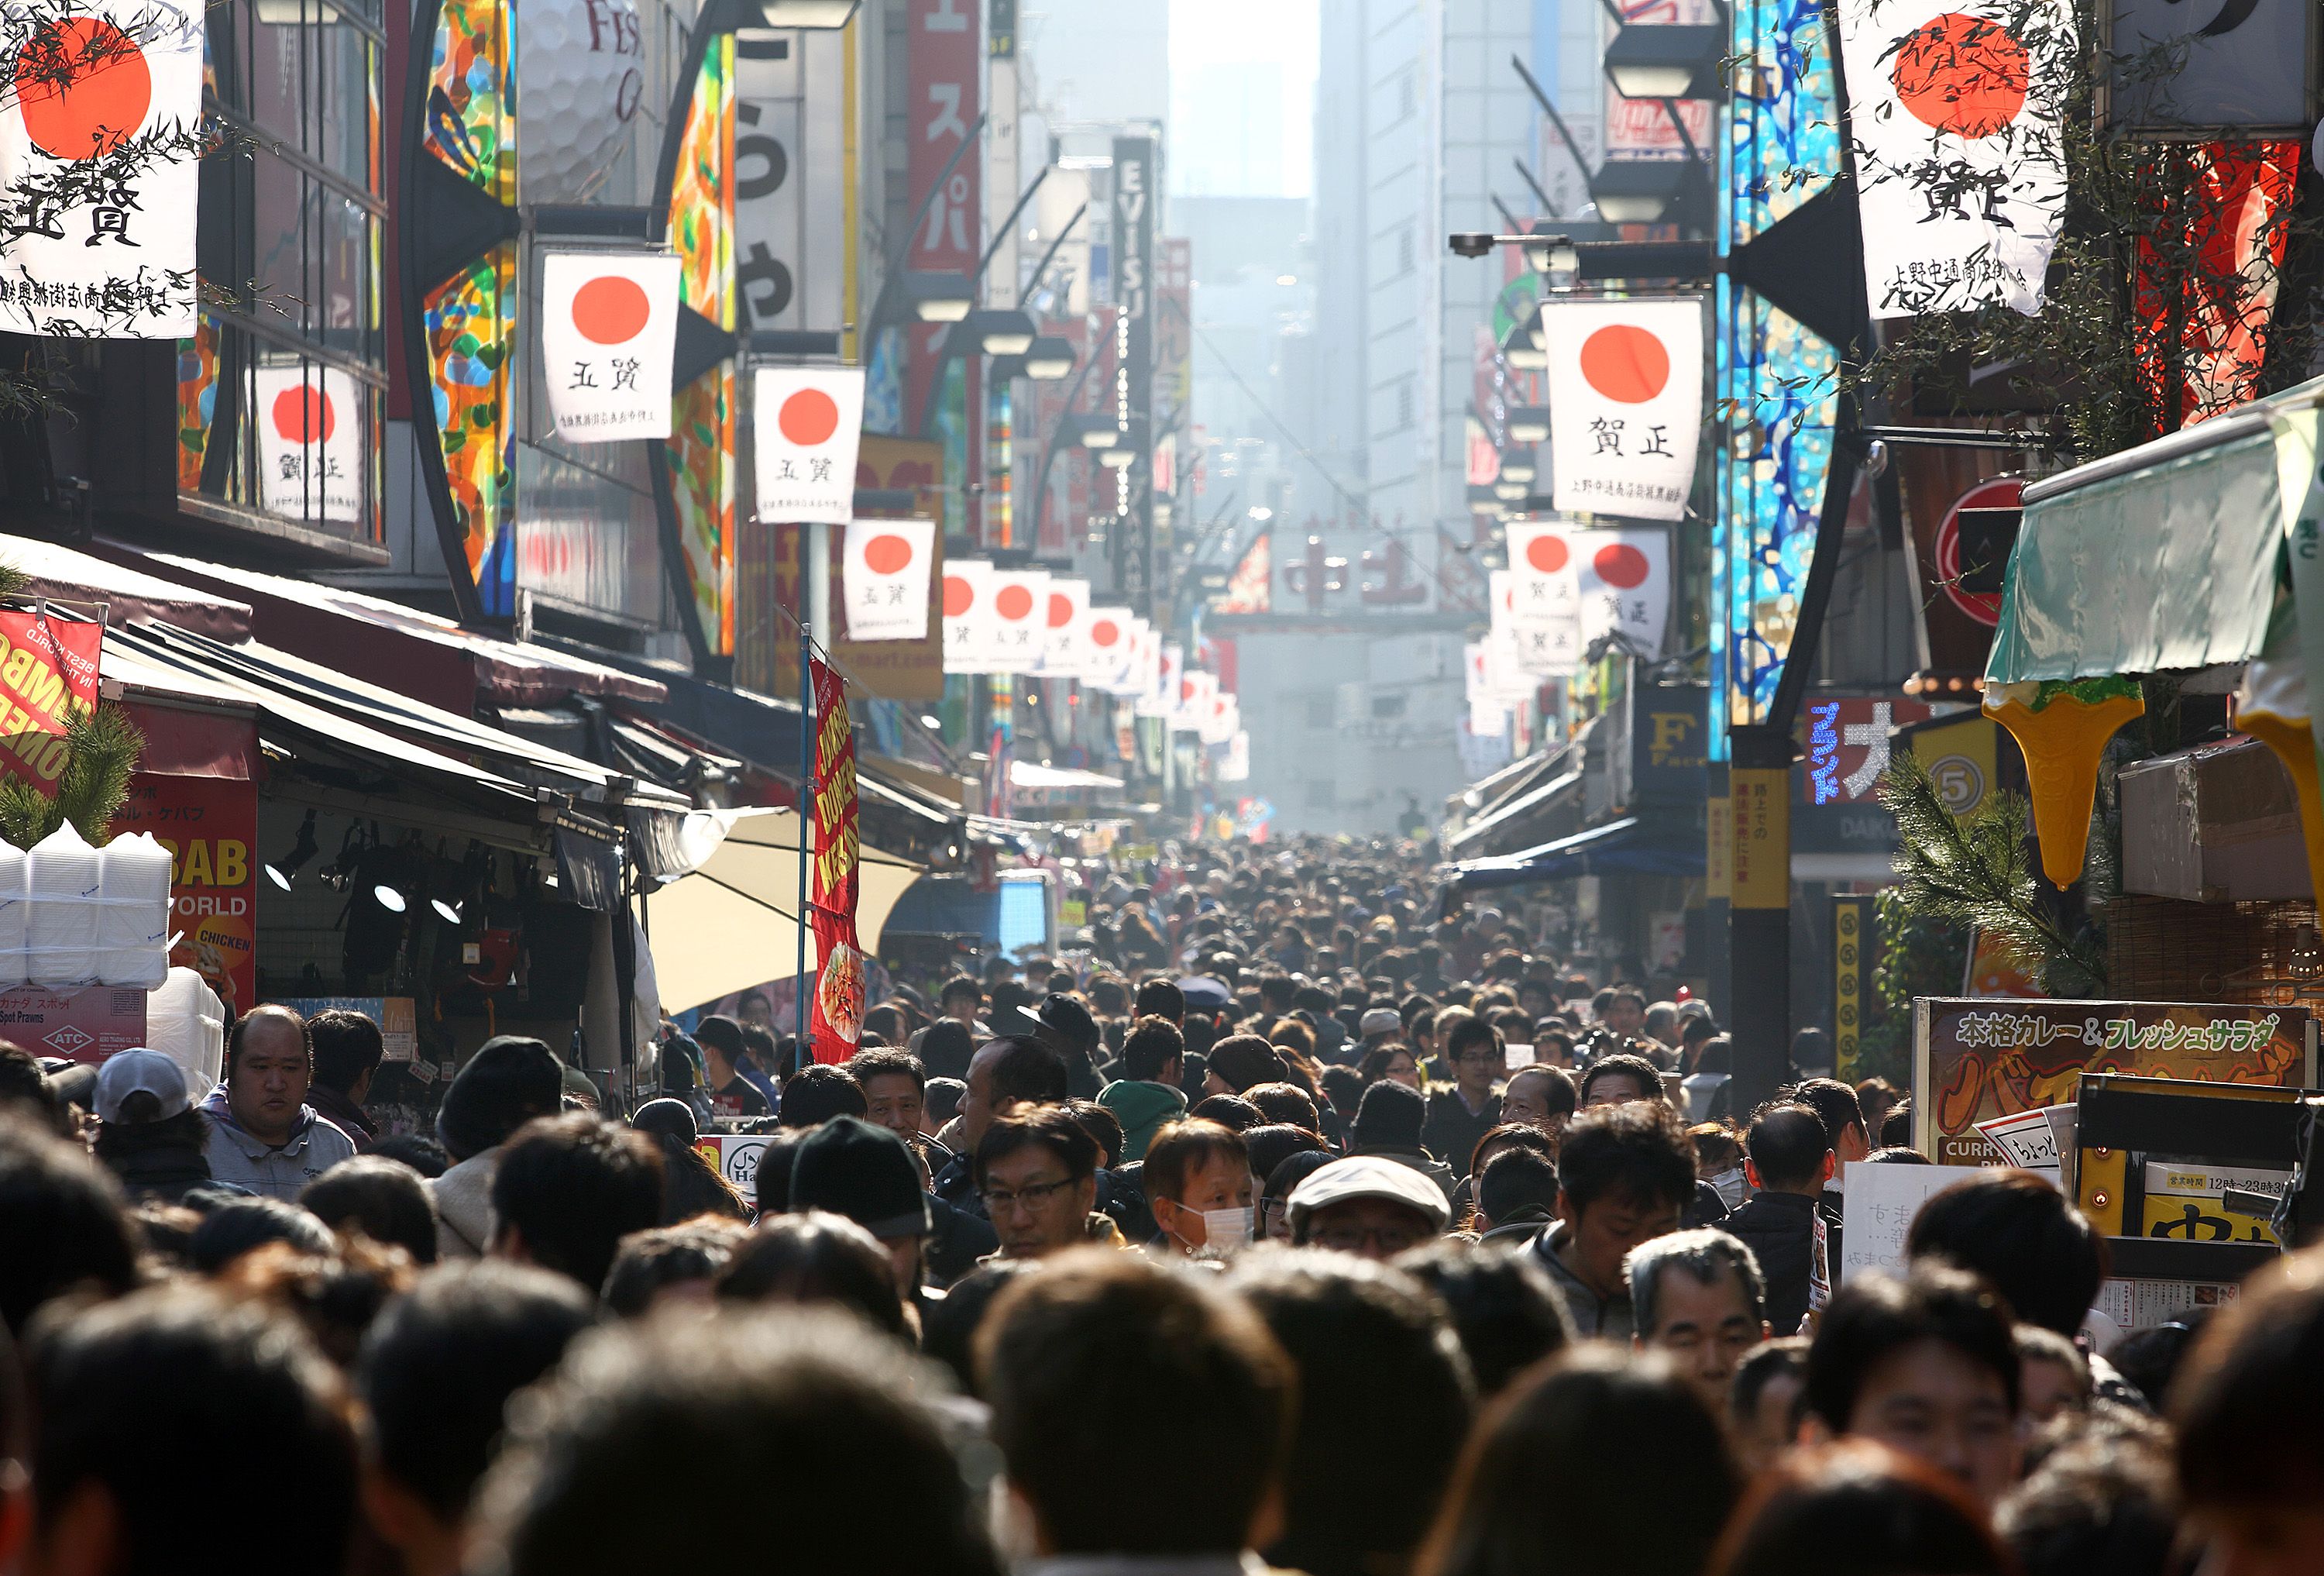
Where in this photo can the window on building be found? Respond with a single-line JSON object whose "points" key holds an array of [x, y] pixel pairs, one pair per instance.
{"points": [[1406, 260], [1404, 404], [1389, 706], [1407, 92]]}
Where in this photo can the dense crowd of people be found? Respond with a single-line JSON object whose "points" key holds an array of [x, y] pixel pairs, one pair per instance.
{"points": [[1295, 1223]]}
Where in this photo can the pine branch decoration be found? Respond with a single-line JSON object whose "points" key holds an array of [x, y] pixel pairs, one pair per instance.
{"points": [[103, 748], [1976, 872]]}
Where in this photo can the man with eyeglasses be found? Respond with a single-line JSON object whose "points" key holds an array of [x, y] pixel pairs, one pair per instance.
{"points": [[1367, 1205], [1036, 1173], [1460, 1116]]}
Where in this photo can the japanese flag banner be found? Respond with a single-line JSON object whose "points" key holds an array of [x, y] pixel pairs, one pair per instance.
{"points": [[1486, 714], [1234, 766], [1546, 589], [1626, 586], [1109, 650], [1196, 690], [968, 630], [1065, 650], [98, 145], [884, 577], [1954, 118], [1504, 674], [310, 441], [608, 335], [1222, 715], [1020, 629], [1160, 698], [807, 423], [1624, 405]]}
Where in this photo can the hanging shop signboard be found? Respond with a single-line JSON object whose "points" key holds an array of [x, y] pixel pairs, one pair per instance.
{"points": [[608, 338]]}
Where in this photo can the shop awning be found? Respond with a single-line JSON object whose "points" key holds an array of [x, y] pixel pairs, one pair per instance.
{"points": [[1633, 845], [1059, 782], [130, 595], [2160, 559], [1539, 799], [734, 922]]}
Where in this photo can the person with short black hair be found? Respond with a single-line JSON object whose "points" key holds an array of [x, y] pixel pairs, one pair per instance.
{"points": [[1926, 1364], [895, 1089], [812, 1257], [1037, 1172], [1787, 1158], [1384, 1398], [1540, 1097], [1198, 1183], [2097, 1504], [949, 1326], [853, 1169], [1624, 1173], [436, 1373], [1005, 1072], [567, 1190], [1516, 1195], [1857, 1508], [1508, 1315], [818, 1091], [962, 1000], [1765, 1400], [1389, 1123], [384, 1200], [1096, 1338], [238, 1226], [804, 1428], [1238, 1062], [723, 1054], [348, 1049], [2053, 1377], [264, 1136], [1460, 1116], [1843, 1118], [511, 1080], [63, 1223], [1146, 1095], [2025, 1237], [944, 1048], [1617, 1077], [1159, 998], [1697, 1297], [670, 1264]]}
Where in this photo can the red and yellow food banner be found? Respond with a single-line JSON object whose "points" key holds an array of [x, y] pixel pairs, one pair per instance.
{"points": [[209, 825], [831, 911], [48, 676]]}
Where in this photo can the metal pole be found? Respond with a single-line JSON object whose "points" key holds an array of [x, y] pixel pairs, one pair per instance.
{"points": [[807, 818]]}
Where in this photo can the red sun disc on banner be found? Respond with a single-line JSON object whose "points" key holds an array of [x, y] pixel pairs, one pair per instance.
{"points": [[889, 553], [1014, 603], [303, 414], [1962, 74], [1061, 611], [1547, 554], [959, 595], [610, 309], [809, 417], [1620, 565], [1625, 363], [1104, 632], [84, 87]]}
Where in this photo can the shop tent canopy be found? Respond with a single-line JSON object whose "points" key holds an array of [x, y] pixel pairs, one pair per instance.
{"points": [[733, 923], [1630, 846]]}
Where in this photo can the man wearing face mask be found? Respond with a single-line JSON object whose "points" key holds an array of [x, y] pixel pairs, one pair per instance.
{"points": [[1198, 1180]]}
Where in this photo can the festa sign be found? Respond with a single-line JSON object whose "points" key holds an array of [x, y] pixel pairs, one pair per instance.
{"points": [[838, 1025]]}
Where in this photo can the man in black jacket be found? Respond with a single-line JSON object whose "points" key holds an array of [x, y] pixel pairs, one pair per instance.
{"points": [[1787, 1153]]}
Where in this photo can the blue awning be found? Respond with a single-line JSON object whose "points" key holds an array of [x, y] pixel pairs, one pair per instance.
{"points": [[1630, 846]]}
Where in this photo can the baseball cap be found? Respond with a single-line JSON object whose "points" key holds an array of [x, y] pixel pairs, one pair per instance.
{"points": [[1067, 1016], [140, 1071], [853, 1168], [1369, 1177], [1380, 1020]]}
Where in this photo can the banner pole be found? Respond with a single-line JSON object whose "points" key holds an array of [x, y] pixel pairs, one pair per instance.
{"points": [[806, 823]]}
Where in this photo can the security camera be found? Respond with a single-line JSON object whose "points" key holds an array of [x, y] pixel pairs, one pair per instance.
{"points": [[1471, 243]]}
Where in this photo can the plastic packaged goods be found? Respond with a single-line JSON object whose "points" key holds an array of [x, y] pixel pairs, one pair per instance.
{"points": [[14, 909], [64, 878], [186, 1022], [132, 925]]}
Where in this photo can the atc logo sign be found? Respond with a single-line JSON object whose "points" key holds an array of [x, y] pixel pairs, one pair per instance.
{"points": [[69, 1041]]}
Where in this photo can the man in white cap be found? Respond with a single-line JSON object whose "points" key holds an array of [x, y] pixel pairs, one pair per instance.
{"points": [[1368, 1205], [148, 1135]]}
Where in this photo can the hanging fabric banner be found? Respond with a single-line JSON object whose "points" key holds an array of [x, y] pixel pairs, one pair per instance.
{"points": [[1545, 587], [1159, 696], [608, 337], [831, 913], [1066, 652], [1506, 674], [1626, 405], [98, 155], [48, 677], [884, 578], [969, 634], [808, 423], [1112, 651], [1954, 118], [1020, 625], [310, 441], [1626, 586]]}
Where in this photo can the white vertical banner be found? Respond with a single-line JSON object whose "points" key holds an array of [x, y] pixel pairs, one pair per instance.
{"points": [[1111, 647], [1021, 602], [310, 441], [1196, 690], [1954, 114], [1161, 696], [807, 424], [1234, 766], [1146, 676], [790, 202], [1488, 717], [99, 138], [884, 577], [1222, 715], [968, 632], [1066, 652], [608, 337], [1504, 674], [1626, 405], [1545, 587], [1626, 586]]}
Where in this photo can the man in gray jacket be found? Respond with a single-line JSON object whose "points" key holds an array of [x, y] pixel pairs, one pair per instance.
{"points": [[263, 1135]]}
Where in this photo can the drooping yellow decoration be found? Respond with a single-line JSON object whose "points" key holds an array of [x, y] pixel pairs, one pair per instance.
{"points": [[2062, 728]]}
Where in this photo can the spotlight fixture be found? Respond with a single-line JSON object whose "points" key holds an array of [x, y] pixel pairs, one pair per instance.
{"points": [[302, 849]]}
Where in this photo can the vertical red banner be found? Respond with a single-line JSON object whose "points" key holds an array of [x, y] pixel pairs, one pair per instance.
{"points": [[831, 908], [209, 825], [48, 674], [946, 51]]}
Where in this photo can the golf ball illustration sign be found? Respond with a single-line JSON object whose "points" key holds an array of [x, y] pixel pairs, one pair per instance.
{"points": [[311, 447], [98, 141], [608, 338]]}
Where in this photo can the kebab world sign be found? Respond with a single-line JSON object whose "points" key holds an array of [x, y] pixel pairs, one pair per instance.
{"points": [[1974, 1060]]}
